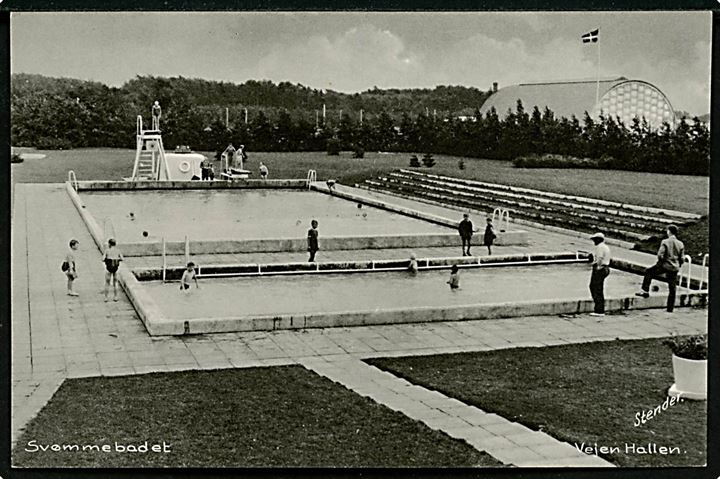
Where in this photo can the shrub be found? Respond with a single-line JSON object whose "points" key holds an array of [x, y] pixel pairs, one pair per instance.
{"points": [[461, 164], [691, 347], [359, 152], [50, 143], [333, 147], [15, 158], [414, 162], [549, 160], [428, 160]]}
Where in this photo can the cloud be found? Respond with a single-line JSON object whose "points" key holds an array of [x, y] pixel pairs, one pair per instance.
{"points": [[355, 60], [684, 77], [481, 60]]}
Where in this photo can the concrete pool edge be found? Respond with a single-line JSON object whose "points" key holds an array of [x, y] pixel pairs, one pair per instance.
{"points": [[154, 247], [143, 303], [504, 238], [158, 325], [274, 245], [175, 327], [96, 185], [363, 266]]}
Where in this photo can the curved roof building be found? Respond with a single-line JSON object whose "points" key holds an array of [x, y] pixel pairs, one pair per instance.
{"points": [[617, 97]]}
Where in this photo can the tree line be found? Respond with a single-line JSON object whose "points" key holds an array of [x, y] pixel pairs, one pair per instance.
{"points": [[54, 113]]}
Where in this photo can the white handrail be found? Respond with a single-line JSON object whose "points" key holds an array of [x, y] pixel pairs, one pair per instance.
{"points": [[317, 269], [73, 180], [164, 256], [311, 176], [688, 275], [502, 215], [705, 275]]}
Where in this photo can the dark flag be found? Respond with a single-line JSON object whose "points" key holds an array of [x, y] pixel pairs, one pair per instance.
{"points": [[591, 37]]}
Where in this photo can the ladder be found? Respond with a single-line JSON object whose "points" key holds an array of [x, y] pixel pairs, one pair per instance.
{"points": [[150, 162]]}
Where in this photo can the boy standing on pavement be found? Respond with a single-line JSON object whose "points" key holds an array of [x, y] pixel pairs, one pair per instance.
{"points": [[465, 228], [69, 269], [312, 240]]}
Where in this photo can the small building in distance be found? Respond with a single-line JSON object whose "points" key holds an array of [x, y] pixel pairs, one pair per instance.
{"points": [[618, 96]]}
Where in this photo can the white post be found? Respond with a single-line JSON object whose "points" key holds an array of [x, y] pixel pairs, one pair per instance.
{"points": [[361, 116], [688, 260], [164, 259], [246, 116], [597, 82], [187, 250], [324, 114], [227, 118]]}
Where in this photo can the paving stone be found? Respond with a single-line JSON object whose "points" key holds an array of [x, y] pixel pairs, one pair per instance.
{"points": [[533, 438], [491, 443], [519, 456], [557, 450]]}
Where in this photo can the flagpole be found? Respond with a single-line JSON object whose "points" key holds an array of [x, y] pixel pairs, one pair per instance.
{"points": [[597, 82]]}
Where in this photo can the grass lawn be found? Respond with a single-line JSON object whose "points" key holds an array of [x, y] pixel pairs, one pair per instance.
{"points": [[577, 393], [258, 417], [685, 193]]}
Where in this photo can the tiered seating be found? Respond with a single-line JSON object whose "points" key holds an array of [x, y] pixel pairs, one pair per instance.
{"points": [[622, 221]]}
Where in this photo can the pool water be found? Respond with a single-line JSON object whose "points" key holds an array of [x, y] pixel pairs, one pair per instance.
{"points": [[240, 215], [337, 292]]}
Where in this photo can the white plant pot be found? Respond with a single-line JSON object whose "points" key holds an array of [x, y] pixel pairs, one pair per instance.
{"points": [[690, 378]]}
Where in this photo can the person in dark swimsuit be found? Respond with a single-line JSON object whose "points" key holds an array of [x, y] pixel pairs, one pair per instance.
{"points": [[112, 259]]}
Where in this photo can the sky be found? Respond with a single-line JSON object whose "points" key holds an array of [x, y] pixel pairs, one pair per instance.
{"points": [[353, 52]]}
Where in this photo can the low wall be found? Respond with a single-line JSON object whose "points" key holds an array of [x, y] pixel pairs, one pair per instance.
{"points": [[504, 238], [331, 243], [415, 315]]}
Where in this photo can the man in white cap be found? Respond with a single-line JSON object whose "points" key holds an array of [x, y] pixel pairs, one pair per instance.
{"points": [[600, 271]]}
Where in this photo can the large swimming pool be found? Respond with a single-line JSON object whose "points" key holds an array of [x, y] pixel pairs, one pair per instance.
{"points": [[240, 215]]}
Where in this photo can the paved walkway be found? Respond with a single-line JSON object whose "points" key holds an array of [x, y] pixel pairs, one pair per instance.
{"points": [[56, 337]]}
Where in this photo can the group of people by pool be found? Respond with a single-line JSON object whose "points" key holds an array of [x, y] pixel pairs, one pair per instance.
{"points": [[670, 259], [111, 259]]}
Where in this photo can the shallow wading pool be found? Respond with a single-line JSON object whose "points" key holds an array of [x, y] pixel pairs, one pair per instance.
{"points": [[371, 297]]}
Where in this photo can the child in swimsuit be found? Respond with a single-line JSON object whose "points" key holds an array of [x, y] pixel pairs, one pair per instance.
{"points": [[111, 258], [188, 274], [454, 281], [71, 272], [413, 266]]}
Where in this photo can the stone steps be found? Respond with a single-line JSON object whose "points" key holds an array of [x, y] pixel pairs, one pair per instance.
{"points": [[623, 221]]}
